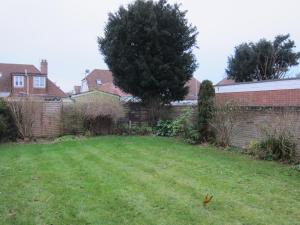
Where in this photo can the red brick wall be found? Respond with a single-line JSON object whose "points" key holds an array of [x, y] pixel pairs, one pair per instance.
{"points": [[262, 98]]}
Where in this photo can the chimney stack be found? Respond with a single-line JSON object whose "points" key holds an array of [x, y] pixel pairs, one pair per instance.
{"points": [[44, 66]]}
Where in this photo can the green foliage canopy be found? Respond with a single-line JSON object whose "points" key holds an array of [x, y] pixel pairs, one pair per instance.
{"points": [[263, 60], [148, 47]]}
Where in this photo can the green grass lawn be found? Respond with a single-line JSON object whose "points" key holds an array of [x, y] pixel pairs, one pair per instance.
{"points": [[141, 180]]}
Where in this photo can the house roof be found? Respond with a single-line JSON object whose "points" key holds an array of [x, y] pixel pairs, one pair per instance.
{"points": [[6, 69], [89, 93], [54, 90], [104, 75], [112, 89], [226, 81], [106, 78]]}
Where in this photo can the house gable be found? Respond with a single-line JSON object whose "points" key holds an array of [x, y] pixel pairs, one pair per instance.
{"points": [[23, 79]]}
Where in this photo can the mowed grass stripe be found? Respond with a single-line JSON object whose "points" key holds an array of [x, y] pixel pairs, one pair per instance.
{"points": [[22, 194], [179, 201], [105, 195], [143, 186], [142, 180]]}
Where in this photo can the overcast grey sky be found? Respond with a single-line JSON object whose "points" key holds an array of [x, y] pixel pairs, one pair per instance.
{"points": [[65, 32]]}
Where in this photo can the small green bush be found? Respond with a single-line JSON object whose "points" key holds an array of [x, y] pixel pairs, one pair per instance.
{"points": [[121, 129], [167, 128], [279, 148], [141, 130], [278, 139], [181, 127], [297, 167], [8, 129], [258, 152]]}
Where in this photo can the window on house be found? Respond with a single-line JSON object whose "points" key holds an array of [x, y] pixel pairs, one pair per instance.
{"points": [[39, 82], [99, 82], [18, 81]]}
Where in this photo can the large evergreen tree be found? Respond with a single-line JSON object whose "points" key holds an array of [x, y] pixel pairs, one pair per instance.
{"points": [[148, 47], [263, 60]]}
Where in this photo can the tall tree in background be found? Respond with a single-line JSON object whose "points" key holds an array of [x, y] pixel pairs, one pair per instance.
{"points": [[264, 60], [205, 109], [148, 47]]}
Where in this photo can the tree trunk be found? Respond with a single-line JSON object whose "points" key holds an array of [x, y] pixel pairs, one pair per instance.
{"points": [[154, 108]]}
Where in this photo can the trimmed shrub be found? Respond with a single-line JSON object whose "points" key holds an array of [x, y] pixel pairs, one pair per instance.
{"points": [[205, 109]]}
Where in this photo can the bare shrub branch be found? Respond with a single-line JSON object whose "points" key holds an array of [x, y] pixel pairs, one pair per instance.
{"points": [[223, 122], [24, 112]]}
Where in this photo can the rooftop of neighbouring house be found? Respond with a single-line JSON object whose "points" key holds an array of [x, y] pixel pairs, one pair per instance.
{"points": [[225, 81], [285, 83], [8, 69], [103, 80]]}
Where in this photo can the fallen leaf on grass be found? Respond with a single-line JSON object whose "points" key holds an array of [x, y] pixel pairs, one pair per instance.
{"points": [[12, 212]]}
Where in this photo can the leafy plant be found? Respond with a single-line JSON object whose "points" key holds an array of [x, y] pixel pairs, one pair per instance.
{"points": [[167, 128], [278, 141], [279, 147], [297, 167], [125, 129], [257, 151], [181, 127], [8, 130], [142, 130]]}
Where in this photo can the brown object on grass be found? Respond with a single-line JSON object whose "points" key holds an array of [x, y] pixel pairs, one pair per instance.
{"points": [[207, 200]]}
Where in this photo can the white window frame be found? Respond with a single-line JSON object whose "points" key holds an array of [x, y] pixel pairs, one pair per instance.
{"points": [[98, 82], [39, 82], [18, 81]]}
